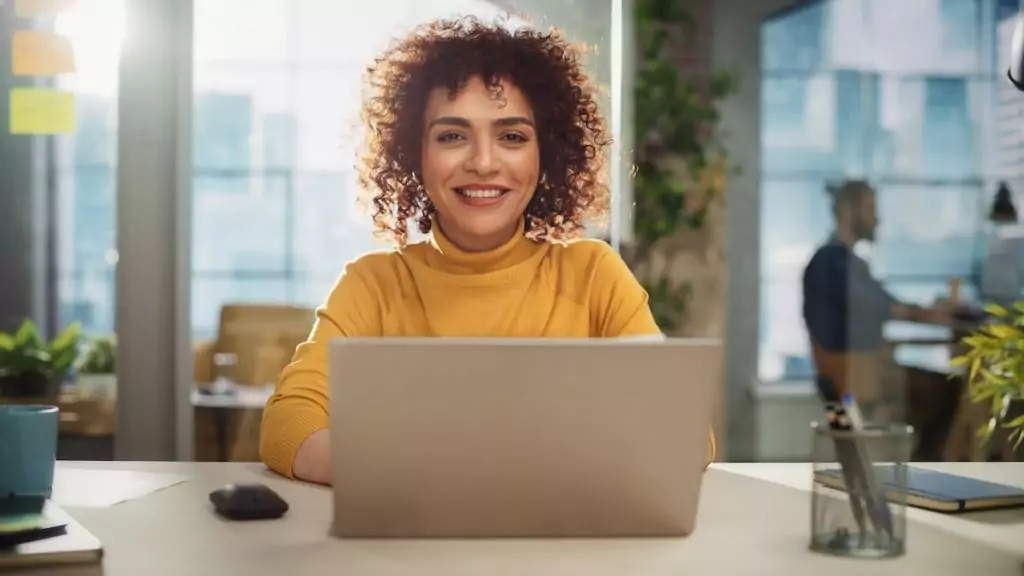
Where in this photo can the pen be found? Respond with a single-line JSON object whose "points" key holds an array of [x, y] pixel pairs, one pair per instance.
{"points": [[876, 500], [853, 411], [846, 452]]}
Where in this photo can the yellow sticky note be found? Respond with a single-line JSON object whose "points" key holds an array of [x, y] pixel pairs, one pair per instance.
{"points": [[40, 8], [42, 111], [35, 53]]}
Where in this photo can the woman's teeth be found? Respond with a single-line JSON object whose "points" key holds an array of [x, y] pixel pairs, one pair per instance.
{"points": [[493, 193]]}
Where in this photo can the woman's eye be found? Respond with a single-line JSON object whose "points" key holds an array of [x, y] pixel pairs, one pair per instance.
{"points": [[514, 137], [449, 137]]}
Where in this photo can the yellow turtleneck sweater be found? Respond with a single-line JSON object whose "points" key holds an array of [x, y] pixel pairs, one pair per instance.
{"points": [[521, 289]]}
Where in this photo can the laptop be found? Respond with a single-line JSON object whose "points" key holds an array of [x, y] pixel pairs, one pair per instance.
{"points": [[445, 437]]}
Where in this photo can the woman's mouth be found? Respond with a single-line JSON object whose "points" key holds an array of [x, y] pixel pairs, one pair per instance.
{"points": [[474, 196]]}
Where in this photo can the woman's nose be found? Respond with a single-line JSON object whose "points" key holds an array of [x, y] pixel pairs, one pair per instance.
{"points": [[481, 159]]}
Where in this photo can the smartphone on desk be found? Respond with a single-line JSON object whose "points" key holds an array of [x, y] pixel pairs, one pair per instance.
{"points": [[23, 519]]}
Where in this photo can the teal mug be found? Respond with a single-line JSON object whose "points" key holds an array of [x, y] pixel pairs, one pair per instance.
{"points": [[28, 449]]}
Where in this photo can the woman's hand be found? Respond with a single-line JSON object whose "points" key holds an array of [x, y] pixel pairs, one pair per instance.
{"points": [[313, 460]]}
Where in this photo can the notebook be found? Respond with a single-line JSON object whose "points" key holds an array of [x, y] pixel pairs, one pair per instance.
{"points": [[67, 542], [937, 491]]}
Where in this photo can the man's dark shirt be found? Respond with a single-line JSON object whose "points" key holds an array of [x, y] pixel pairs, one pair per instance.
{"points": [[845, 308]]}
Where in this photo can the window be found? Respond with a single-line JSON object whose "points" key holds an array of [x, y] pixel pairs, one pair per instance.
{"points": [[899, 93], [926, 230], [86, 168]]}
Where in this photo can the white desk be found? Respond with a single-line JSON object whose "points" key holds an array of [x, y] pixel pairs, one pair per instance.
{"points": [[753, 521]]}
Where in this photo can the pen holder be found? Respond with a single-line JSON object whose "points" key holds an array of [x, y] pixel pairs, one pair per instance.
{"points": [[858, 494]]}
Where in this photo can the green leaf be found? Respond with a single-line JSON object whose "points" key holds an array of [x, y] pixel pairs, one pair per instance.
{"points": [[69, 337], [996, 410], [1017, 437], [975, 367], [26, 352], [997, 311], [27, 335], [1002, 331], [100, 356], [984, 432], [1017, 422], [960, 361]]}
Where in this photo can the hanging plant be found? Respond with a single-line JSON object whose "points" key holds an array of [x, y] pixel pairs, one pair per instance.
{"points": [[680, 165]]}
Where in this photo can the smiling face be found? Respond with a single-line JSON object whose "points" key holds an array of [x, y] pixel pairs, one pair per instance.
{"points": [[480, 162]]}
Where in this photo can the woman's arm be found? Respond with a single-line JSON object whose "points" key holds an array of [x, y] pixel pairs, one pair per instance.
{"points": [[293, 433], [313, 459], [619, 305]]}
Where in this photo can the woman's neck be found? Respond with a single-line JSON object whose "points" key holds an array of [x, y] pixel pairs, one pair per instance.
{"points": [[474, 244], [480, 255]]}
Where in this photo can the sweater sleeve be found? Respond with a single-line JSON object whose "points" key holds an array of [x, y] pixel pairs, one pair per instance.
{"points": [[299, 405], [618, 303]]}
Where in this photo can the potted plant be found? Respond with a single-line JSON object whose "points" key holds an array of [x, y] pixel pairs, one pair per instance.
{"points": [[994, 359], [31, 367], [97, 370]]}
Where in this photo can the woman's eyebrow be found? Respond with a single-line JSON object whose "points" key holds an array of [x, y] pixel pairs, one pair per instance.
{"points": [[513, 121], [465, 123], [450, 121]]}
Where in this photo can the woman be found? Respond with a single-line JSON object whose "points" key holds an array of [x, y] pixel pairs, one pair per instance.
{"points": [[491, 142]]}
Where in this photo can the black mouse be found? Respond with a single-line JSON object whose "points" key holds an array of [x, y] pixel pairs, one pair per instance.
{"points": [[248, 502]]}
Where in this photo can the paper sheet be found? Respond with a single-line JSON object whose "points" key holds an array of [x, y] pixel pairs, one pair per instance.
{"points": [[37, 53], [91, 488], [40, 8], [42, 111]]}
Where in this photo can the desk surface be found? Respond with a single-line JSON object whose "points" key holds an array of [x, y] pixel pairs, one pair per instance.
{"points": [[753, 519]]}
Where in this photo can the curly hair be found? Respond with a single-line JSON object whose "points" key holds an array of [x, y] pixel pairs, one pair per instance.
{"points": [[446, 54]]}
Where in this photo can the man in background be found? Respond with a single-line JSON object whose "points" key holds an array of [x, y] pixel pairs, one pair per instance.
{"points": [[845, 310]]}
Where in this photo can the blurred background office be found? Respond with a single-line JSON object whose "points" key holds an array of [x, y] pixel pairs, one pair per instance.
{"points": [[191, 208]]}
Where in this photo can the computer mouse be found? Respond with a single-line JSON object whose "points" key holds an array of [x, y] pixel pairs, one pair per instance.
{"points": [[248, 502]]}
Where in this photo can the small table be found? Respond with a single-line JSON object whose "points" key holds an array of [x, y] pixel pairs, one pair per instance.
{"points": [[233, 398]]}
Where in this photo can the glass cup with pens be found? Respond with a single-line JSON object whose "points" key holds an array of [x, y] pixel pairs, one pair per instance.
{"points": [[858, 505]]}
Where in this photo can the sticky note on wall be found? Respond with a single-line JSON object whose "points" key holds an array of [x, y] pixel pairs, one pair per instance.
{"points": [[40, 8], [41, 111], [35, 53]]}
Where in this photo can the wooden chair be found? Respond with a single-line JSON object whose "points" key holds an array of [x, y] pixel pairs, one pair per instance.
{"points": [[261, 340], [251, 333]]}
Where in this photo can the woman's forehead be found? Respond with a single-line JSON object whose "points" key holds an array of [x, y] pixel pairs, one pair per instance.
{"points": [[476, 99]]}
